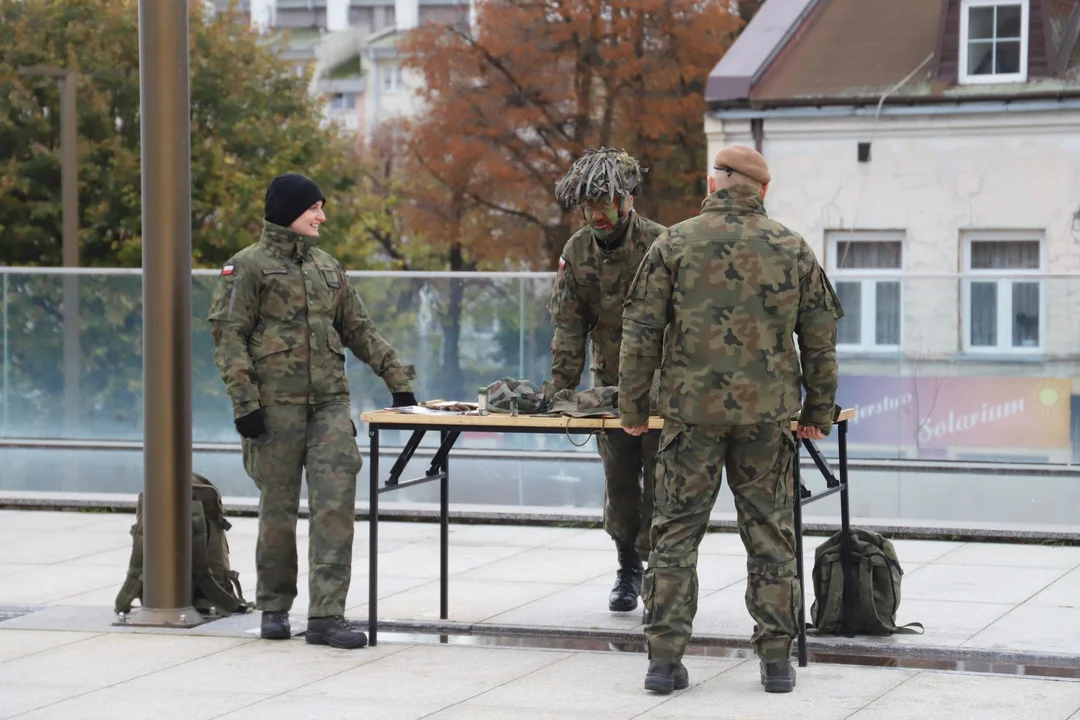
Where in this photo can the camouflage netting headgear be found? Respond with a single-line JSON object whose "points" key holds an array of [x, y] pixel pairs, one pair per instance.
{"points": [[603, 174]]}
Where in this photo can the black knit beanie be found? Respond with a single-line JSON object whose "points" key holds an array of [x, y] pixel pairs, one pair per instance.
{"points": [[289, 196]]}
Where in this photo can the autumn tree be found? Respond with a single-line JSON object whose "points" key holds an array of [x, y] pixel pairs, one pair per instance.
{"points": [[251, 118], [511, 103]]}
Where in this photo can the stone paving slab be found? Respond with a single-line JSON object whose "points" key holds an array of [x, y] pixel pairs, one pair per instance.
{"points": [[970, 596], [66, 675]]}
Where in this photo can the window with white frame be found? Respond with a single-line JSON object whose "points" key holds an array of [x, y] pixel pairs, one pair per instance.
{"points": [[392, 79], [343, 101], [993, 41], [863, 267], [1003, 292]]}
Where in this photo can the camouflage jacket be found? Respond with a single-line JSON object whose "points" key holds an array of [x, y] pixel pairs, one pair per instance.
{"points": [[587, 301], [282, 314], [731, 287]]}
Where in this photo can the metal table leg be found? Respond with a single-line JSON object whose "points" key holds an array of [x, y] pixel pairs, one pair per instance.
{"points": [[444, 535], [373, 537], [845, 528], [800, 570]]}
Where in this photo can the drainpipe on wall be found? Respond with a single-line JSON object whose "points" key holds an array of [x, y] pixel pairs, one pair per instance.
{"points": [[757, 130]]}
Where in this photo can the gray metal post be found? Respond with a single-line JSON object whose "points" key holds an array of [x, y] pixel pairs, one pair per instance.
{"points": [[69, 198], [521, 327], [7, 354], [164, 103], [69, 194]]}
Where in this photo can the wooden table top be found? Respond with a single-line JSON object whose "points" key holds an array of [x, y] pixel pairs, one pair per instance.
{"points": [[391, 416]]}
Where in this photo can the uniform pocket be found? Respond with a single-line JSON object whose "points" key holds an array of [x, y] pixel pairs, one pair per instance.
{"points": [[784, 469], [668, 489], [253, 449], [333, 341]]}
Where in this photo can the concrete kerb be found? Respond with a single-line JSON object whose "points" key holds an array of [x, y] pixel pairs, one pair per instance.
{"points": [[865, 647], [248, 507]]}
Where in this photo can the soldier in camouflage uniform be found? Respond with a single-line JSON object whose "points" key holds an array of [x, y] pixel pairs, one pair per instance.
{"points": [[282, 314], [595, 270], [731, 287]]}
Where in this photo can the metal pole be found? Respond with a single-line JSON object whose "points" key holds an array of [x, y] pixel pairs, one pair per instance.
{"points": [[164, 103], [7, 353], [521, 328], [69, 194]]}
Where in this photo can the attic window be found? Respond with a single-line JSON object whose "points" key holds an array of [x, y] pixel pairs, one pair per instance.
{"points": [[993, 41]]}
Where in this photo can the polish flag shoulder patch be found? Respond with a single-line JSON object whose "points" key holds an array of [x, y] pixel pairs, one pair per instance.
{"points": [[562, 262], [227, 270]]}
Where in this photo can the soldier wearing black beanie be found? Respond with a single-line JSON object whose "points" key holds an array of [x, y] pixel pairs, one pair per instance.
{"points": [[289, 196], [283, 314]]}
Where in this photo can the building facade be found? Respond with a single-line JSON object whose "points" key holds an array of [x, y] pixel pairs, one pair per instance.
{"points": [[929, 151], [353, 44]]}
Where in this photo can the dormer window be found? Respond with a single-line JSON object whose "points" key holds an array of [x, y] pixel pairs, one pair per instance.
{"points": [[993, 41]]}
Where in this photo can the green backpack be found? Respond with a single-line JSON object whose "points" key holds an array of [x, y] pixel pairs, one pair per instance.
{"points": [[876, 573], [214, 584]]}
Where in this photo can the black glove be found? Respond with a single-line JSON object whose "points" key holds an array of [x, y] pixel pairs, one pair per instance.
{"points": [[252, 425], [404, 399]]}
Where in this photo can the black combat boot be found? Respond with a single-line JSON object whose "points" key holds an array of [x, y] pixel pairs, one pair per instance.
{"points": [[778, 677], [334, 631], [624, 595], [275, 625], [664, 676]]}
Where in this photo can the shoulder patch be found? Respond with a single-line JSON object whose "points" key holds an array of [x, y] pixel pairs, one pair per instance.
{"points": [[274, 271], [227, 270], [562, 262]]}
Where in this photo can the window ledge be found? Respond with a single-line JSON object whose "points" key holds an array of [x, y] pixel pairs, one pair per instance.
{"points": [[1034, 358]]}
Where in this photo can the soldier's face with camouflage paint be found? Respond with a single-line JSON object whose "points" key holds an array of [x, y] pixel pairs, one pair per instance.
{"points": [[309, 222], [603, 216]]}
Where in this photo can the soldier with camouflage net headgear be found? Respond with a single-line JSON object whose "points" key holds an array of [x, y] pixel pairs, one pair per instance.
{"points": [[731, 288], [595, 271], [282, 314]]}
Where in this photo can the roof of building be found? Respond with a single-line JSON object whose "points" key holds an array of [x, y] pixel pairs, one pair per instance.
{"points": [[821, 52]]}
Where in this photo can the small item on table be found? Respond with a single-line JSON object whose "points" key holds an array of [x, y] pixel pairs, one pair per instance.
{"points": [[481, 401], [513, 406]]}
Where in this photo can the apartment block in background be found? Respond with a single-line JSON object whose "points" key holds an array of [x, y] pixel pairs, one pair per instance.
{"points": [[353, 45]]}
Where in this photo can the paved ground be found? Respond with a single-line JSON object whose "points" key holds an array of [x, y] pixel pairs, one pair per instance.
{"points": [[1018, 598], [71, 675], [63, 659]]}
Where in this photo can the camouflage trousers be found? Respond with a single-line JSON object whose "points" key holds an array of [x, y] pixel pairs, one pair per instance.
{"points": [[759, 460], [629, 469], [321, 439]]}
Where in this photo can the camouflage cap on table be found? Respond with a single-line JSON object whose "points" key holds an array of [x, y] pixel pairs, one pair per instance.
{"points": [[531, 400]]}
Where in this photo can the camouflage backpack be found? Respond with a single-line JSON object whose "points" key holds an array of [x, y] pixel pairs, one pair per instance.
{"points": [[213, 584], [876, 573], [531, 400]]}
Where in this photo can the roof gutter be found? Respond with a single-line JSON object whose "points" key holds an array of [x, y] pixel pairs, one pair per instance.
{"points": [[898, 110]]}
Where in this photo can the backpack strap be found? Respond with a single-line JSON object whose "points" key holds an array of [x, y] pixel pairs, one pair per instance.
{"points": [[832, 610], [234, 579], [131, 590], [213, 594], [910, 629]]}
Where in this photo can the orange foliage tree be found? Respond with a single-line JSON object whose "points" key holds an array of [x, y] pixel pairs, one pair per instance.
{"points": [[512, 102]]}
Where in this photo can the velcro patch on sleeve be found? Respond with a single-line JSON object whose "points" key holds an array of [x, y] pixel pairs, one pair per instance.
{"points": [[228, 270]]}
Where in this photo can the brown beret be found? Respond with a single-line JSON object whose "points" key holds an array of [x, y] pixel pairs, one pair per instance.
{"points": [[745, 160]]}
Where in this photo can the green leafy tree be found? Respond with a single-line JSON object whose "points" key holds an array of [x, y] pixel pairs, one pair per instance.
{"points": [[251, 118]]}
